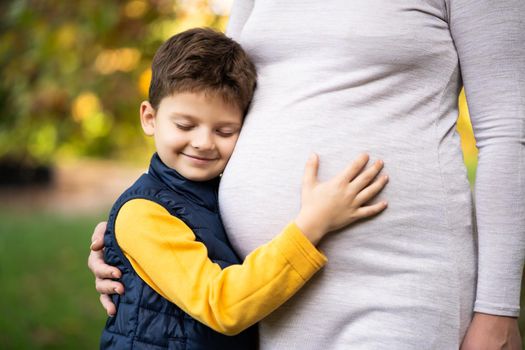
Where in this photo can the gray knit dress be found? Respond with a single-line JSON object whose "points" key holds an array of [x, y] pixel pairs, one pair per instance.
{"points": [[382, 76]]}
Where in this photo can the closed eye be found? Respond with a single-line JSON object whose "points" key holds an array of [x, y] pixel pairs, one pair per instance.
{"points": [[226, 132], [184, 127]]}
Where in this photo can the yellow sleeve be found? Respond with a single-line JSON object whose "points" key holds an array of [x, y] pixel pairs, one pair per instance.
{"points": [[164, 253]]}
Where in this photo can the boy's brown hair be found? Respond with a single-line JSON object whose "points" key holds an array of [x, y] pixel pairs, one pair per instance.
{"points": [[202, 60]]}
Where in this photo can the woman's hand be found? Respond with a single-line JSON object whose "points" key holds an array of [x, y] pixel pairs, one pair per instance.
{"points": [[340, 201], [490, 332], [104, 273]]}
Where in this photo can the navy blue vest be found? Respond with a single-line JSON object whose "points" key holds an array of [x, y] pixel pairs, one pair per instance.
{"points": [[144, 319]]}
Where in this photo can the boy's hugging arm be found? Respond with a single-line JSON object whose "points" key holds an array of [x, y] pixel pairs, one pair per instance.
{"points": [[163, 251]]}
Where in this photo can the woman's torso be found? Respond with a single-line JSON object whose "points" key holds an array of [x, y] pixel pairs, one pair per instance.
{"points": [[342, 78]]}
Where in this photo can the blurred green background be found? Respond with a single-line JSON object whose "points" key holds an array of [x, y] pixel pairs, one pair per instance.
{"points": [[72, 77], [74, 73]]}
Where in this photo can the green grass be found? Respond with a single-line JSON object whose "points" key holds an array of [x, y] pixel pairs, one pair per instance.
{"points": [[47, 295]]}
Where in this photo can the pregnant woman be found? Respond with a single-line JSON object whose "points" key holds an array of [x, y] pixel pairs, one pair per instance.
{"points": [[382, 76]]}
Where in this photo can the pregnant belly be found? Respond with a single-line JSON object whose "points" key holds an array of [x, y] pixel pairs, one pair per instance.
{"points": [[415, 260], [418, 251], [260, 188]]}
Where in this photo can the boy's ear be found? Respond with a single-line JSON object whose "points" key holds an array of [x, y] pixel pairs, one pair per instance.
{"points": [[147, 118]]}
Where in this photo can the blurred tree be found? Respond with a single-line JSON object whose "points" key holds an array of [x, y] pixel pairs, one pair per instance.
{"points": [[74, 73]]}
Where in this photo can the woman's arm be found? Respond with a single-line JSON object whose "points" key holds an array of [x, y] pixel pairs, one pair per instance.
{"points": [[490, 40]]}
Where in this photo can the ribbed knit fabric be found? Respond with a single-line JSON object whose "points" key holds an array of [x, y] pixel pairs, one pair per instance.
{"points": [[342, 77]]}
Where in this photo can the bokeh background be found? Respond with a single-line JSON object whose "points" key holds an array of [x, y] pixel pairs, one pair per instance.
{"points": [[72, 75]]}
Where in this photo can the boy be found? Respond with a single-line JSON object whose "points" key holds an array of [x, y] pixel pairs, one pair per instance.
{"points": [[185, 286]]}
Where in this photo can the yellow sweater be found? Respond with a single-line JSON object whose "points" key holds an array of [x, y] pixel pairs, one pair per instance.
{"points": [[163, 251]]}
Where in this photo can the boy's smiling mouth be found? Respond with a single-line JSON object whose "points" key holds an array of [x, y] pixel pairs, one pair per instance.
{"points": [[199, 158]]}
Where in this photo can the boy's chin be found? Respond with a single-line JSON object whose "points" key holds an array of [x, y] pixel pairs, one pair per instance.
{"points": [[200, 177]]}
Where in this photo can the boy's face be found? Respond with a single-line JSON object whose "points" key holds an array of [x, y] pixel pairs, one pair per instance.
{"points": [[194, 132]]}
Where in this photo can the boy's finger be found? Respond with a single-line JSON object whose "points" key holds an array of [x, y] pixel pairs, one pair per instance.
{"points": [[363, 179], [352, 170], [107, 286], [99, 268], [97, 239], [371, 191], [310, 170], [371, 210], [107, 304]]}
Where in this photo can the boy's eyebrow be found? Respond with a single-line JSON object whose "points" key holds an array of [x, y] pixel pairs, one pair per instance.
{"points": [[189, 117], [230, 123], [183, 115]]}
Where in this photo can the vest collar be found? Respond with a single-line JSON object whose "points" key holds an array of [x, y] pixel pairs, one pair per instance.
{"points": [[203, 193]]}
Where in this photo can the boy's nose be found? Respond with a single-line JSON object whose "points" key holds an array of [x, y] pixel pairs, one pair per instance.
{"points": [[203, 141]]}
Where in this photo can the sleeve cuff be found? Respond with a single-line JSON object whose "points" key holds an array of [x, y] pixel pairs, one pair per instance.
{"points": [[496, 309], [300, 252]]}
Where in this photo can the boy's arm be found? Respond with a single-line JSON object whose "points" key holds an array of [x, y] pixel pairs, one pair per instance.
{"points": [[166, 255]]}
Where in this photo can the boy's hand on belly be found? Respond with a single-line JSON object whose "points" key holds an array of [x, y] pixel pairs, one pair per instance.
{"points": [[340, 201]]}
